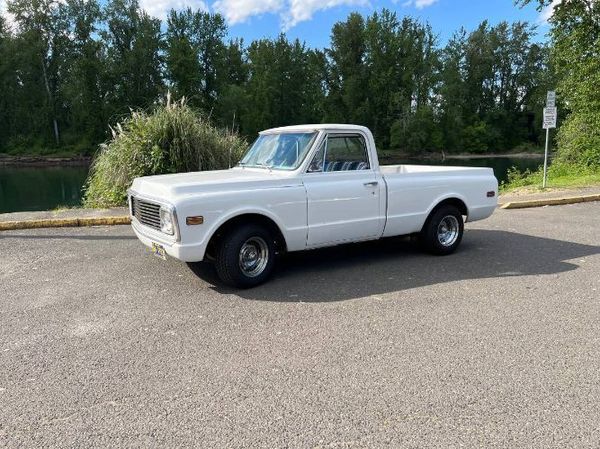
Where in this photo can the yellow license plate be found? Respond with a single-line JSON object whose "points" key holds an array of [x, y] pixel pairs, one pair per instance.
{"points": [[159, 251]]}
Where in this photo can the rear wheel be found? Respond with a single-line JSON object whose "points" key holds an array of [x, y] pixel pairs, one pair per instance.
{"points": [[246, 256], [443, 230]]}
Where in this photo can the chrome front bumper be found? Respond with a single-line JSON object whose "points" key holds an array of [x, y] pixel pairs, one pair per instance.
{"points": [[175, 249]]}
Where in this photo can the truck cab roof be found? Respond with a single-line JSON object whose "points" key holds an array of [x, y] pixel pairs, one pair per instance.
{"points": [[343, 127]]}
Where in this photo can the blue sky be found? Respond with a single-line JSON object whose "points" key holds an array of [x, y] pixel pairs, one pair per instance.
{"points": [[445, 16], [311, 20]]}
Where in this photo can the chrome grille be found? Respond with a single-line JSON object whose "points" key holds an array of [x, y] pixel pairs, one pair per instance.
{"points": [[145, 212]]}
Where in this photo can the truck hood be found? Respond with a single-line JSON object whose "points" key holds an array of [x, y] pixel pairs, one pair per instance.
{"points": [[175, 186]]}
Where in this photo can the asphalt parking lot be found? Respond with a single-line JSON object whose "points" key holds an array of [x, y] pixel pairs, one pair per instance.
{"points": [[367, 345]]}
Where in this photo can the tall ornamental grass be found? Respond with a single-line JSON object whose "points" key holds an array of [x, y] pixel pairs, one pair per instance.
{"points": [[173, 138]]}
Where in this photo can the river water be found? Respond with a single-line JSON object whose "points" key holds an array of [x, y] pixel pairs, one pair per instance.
{"points": [[45, 188]]}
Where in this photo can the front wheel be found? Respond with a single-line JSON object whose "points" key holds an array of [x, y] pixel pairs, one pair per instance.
{"points": [[246, 256], [443, 230]]}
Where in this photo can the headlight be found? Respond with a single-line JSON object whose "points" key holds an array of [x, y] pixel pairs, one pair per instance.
{"points": [[166, 221]]}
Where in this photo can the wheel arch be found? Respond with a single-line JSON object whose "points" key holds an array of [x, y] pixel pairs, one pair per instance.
{"points": [[244, 218], [453, 200]]}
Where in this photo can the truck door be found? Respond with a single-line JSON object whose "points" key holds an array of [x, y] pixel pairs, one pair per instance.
{"points": [[343, 192]]}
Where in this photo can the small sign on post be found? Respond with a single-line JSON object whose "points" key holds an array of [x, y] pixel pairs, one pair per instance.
{"points": [[550, 114], [549, 117]]}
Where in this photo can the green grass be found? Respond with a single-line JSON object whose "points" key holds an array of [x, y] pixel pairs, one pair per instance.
{"points": [[560, 175]]}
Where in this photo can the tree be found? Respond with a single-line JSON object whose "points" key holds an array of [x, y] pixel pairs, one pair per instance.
{"points": [[420, 132], [181, 59], [282, 84], [42, 38], [232, 101], [575, 54], [70, 68], [8, 84], [490, 89], [133, 77], [212, 31], [82, 74], [381, 72], [195, 54], [402, 61], [453, 91], [346, 72]]}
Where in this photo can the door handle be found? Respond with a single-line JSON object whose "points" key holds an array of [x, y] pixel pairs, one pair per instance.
{"points": [[371, 184]]}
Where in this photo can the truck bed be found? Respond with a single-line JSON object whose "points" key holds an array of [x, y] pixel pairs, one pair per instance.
{"points": [[413, 189], [445, 170]]}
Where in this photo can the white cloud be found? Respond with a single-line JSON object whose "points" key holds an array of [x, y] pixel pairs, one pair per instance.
{"points": [[291, 12], [9, 18], [238, 11], [301, 10], [160, 8], [419, 4], [548, 11]]}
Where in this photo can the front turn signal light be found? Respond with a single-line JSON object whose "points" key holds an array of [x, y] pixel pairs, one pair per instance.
{"points": [[196, 220]]}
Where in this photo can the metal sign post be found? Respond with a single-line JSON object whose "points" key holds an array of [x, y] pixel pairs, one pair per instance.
{"points": [[546, 159], [550, 114]]}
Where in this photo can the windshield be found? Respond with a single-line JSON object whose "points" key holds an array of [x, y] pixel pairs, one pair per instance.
{"points": [[284, 151]]}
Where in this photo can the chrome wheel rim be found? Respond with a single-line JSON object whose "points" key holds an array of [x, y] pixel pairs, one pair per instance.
{"points": [[254, 256], [448, 230]]}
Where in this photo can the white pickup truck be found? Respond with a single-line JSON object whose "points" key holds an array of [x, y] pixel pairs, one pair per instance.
{"points": [[304, 187]]}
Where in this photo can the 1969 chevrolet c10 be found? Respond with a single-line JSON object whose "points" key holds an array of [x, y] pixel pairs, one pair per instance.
{"points": [[304, 187]]}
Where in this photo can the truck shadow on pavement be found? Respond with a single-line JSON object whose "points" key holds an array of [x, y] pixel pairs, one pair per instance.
{"points": [[392, 265]]}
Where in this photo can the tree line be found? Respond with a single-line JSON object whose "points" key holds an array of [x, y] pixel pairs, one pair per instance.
{"points": [[575, 59], [71, 69]]}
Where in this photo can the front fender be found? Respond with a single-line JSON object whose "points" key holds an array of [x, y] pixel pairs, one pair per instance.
{"points": [[230, 215], [284, 207]]}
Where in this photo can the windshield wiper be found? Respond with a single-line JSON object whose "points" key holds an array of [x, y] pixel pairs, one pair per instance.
{"points": [[257, 164]]}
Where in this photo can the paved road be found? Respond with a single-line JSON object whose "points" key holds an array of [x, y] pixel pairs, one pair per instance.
{"points": [[371, 345]]}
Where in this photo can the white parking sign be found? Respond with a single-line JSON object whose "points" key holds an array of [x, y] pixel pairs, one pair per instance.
{"points": [[551, 99], [549, 118]]}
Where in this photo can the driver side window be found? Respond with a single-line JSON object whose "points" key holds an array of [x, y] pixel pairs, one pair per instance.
{"points": [[341, 153]]}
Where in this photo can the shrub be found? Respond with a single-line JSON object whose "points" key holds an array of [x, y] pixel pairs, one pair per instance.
{"points": [[579, 140], [417, 134], [475, 138], [173, 138], [517, 178]]}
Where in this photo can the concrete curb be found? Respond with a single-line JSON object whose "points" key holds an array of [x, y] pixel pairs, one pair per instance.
{"points": [[550, 202], [64, 222]]}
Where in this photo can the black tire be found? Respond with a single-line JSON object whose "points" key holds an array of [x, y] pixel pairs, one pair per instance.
{"points": [[246, 239], [434, 239]]}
